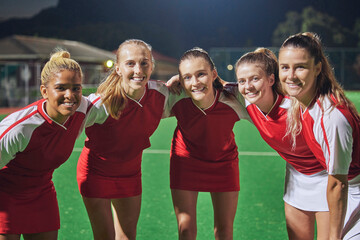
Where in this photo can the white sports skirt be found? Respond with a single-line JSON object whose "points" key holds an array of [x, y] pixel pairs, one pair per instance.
{"points": [[351, 230], [306, 192]]}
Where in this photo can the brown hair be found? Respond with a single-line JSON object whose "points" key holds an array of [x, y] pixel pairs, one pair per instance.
{"points": [[326, 83], [112, 93], [269, 61], [197, 52], [60, 60]]}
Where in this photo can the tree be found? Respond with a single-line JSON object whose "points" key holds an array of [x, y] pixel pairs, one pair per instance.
{"points": [[310, 20], [357, 31]]}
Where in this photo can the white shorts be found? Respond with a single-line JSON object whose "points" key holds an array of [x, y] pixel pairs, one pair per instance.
{"points": [[306, 192], [351, 229]]}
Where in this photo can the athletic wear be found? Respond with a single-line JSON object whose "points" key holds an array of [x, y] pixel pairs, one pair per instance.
{"points": [[306, 192], [110, 163], [272, 128], [204, 154], [32, 146], [332, 132], [333, 136], [306, 179]]}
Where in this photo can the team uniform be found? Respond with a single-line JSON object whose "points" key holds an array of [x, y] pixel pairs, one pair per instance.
{"points": [[110, 163], [333, 135], [204, 154], [32, 146], [306, 179]]}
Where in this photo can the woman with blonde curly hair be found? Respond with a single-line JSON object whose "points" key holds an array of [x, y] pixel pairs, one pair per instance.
{"points": [[34, 141]]}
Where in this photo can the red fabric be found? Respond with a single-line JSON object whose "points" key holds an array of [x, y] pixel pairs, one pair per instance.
{"points": [[111, 158], [272, 128], [27, 196], [29, 212], [204, 154]]}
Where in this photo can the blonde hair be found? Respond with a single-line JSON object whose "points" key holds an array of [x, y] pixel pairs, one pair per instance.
{"points": [[60, 60], [112, 94], [269, 61], [326, 84]]}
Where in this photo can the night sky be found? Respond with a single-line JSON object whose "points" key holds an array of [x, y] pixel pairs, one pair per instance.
{"points": [[209, 23]]}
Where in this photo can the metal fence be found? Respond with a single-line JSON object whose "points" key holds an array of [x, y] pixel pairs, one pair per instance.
{"points": [[20, 82], [345, 61]]}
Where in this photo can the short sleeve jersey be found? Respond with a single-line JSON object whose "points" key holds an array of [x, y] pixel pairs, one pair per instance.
{"points": [[113, 141], [32, 145], [332, 132], [205, 134], [272, 128]]}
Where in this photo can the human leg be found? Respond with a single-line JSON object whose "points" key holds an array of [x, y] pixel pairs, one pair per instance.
{"points": [[99, 212], [126, 216], [322, 225], [9, 236], [185, 210], [299, 223], [52, 235], [225, 205]]}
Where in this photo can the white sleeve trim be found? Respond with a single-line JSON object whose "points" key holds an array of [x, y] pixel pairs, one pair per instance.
{"points": [[16, 131]]}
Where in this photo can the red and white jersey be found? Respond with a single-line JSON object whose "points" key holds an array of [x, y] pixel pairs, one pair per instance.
{"points": [[32, 145], [272, 128], [205, 134], [112, 142], [332, 133]]}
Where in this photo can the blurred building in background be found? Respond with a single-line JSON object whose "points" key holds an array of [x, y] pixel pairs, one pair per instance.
{"points": [[23, 57], [345, 61]]}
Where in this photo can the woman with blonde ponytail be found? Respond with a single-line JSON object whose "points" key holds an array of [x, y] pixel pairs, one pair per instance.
{"points": [[330, 124], [306, 178], [34, 141], [125, 111]]}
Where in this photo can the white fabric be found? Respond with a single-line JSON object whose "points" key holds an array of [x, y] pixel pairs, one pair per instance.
{"points": [[351, 229], [334, 134], [306, 192]]}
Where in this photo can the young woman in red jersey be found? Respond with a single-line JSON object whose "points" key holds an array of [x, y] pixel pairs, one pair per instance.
{"points": [[204, 155], [330, 124], [306, 178], [34, 141], [126, 111]]}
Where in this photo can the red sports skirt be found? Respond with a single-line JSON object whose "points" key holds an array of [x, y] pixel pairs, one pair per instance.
{"points": [[103, 179], [204, 176], [26, 213]]}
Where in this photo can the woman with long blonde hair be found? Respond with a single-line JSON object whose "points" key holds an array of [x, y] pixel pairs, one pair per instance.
{"points": [[306, 179], [126, 110]]}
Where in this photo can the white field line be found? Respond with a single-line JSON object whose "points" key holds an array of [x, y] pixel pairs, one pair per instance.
{"points": [[160, 151]]}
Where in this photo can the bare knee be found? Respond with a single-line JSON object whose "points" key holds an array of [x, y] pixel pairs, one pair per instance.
{"points": [[187, 228], [224, 230]]}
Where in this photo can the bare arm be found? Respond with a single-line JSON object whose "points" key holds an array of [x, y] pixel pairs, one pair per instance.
{"points": [[337, 192], [174, 85]]}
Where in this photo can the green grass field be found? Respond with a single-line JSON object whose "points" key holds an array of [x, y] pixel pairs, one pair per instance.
{"points": [[259, 215]]}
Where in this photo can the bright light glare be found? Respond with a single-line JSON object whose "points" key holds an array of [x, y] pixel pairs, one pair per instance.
{"points": [[109, 63], [230, 67]]}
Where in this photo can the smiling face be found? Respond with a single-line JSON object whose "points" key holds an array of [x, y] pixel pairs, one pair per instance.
{"points": [[255, 85], [298, 73], [63, 94], [135, 67], [197, 79]]}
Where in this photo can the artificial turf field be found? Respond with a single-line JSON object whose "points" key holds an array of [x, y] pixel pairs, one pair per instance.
{"points": [[260, 213]]}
